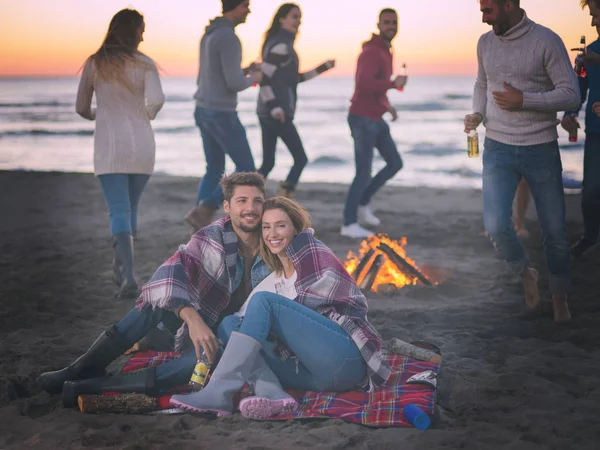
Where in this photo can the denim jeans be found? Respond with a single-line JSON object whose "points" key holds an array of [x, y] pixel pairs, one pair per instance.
{"points": [[369, 134], [136, 324], [222, 134], [273, 129], [540, 165], [327, 358], [122, 193], [590, 196]]}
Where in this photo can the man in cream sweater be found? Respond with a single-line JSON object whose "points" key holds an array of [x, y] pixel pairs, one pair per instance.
{"points": [[524, 78]]}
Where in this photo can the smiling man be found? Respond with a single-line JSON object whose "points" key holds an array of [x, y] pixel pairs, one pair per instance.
{"points": [[524, 78], [206, 280]]}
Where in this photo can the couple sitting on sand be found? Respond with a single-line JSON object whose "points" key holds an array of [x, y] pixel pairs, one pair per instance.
{"points": [[290, 314]]}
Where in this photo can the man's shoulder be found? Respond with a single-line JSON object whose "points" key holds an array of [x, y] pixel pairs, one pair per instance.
{"points": [[545, 35]]}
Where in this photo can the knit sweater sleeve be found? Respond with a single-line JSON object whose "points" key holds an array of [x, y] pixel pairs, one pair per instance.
{"points": [[309, 75], [565, 95], [480, 90], [85, 92], [277, 56], [155, 98]]}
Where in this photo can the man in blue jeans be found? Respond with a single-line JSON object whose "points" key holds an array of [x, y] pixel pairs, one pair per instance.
{"points": [[369, 102], [203, 282], [524, 78], [220, 78], [590, 195]]}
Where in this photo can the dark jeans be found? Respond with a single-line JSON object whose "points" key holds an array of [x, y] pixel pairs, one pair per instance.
{"points": [[590, 196], [369, 134], [540, 165], [272, 130], [222, 134]]}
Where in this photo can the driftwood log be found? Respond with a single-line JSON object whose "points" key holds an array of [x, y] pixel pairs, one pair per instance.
{"points": [[402, 264], [405, 349], [369, 278], [116, 404]]}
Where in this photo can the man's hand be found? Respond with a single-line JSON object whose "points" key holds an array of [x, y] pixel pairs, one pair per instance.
{"points": [[591, 58], [510, 100], [278, 114], [256, 76], [596, 108], [400, 81], [393, 112], [570, 123], [472, 121], [201, 335]]}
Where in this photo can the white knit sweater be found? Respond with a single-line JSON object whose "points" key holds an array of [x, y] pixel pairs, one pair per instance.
{"points": [[533, 59], [123, 139]]}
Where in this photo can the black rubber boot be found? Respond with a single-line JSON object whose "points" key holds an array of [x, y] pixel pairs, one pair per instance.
{"points": [[138, 382], [123, 243], [117, 266], [108, 347]]}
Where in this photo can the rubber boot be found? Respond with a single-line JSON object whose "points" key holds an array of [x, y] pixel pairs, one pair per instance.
{"points": [[117, 266], [269, 398], [123, 243], [234, 369], [108, 347], [138, 382]]}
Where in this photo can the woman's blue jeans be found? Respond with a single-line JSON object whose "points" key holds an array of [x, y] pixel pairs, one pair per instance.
{"points": [[122, 192], [327, 358]]}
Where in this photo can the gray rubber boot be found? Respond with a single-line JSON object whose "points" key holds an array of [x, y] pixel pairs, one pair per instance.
{"points": [[234, 369], [123, 243], [269, 397]]}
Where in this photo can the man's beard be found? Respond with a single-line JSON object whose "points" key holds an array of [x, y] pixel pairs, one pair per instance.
{"points": [[246, 229]]}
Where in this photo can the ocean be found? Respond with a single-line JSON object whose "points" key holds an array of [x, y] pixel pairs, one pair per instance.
{"points": [[39, 130]]}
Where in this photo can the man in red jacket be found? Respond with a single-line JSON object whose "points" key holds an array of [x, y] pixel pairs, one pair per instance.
{"points": [[369, 102]]}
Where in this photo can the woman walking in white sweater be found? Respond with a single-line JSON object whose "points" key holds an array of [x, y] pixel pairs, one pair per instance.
{"points": [[128, 96]]}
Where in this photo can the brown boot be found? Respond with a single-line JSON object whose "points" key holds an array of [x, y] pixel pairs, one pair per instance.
{"points": [[200, 216], [285, 189]]}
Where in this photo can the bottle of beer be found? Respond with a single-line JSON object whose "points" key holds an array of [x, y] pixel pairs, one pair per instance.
{"points": [[579, 65], [201, 371], [473, 144], [403, 73]]}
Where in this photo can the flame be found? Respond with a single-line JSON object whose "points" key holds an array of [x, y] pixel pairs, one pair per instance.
{"points": [[388, 273]]}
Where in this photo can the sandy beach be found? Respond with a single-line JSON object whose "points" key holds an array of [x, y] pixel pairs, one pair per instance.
{"points": [[510, 380]]}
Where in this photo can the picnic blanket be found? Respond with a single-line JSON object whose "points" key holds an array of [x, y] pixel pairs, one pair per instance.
{"points": [[381, 408]]}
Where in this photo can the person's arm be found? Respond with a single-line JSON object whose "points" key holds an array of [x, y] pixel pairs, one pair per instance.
{"points": [[230, 51], [85, 92], [366, 71], [278, 55], [480, 89], [583, 89], [155, 98], [565, 95], [321, 68]]}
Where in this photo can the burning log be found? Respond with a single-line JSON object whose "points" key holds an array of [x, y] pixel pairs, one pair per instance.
{"points": [[362, 264], [116, 404], [369, 279], [401, 263]]}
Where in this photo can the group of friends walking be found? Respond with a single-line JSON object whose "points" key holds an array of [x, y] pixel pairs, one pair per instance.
{"points": [[255, 290]]}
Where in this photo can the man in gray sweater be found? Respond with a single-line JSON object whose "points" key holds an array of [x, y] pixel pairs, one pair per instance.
{"points": [[524, 78], [220, 78]]}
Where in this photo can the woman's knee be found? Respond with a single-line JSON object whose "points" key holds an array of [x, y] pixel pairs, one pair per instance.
{"points": [[227, 326]]}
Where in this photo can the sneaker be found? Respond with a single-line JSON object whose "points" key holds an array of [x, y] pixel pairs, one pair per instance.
{"points": [[582, 247], [354, 230], [366, 216]]}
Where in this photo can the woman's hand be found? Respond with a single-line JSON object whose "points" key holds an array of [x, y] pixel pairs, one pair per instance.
{"points": [[201, 335]]}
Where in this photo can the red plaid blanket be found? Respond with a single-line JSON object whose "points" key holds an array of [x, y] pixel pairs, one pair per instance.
{"points": [[380, 408]]}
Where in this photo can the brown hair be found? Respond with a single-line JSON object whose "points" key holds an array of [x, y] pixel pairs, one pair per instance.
{"points": [[585, 3], [300, 219], [119, 46], [281, 13], [230, 182]]}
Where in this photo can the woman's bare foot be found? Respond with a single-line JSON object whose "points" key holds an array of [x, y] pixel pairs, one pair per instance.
{"points": [[561, 308], [532, 294]]}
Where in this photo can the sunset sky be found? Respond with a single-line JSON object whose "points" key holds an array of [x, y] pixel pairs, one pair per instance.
{"points": [[47, 38]]}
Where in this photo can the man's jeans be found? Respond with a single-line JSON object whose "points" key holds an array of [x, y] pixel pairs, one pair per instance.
{"points": [[369, 134], [540, 165], [327, 357], [122, 193], [590, 196], [222, 134], [273, 129]]}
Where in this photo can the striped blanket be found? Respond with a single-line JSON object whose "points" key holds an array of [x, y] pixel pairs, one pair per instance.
{"points": [[379, 408]]}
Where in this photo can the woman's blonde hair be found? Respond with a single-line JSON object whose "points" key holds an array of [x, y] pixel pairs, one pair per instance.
{"points": [[300, 219], [119, 46]]}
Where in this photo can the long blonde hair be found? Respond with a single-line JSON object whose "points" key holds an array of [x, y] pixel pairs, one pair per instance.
{"points": [[119, 46], [300, 219]]}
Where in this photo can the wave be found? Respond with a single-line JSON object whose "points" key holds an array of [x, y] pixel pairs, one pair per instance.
{"points": [[34, 104], [431, 150], [41, 132], [461, 172], [328, 160], [179, 99], [421, 107], [458, 97], [572, 146]]}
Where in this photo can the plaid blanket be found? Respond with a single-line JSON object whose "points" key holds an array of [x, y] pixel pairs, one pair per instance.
{"points": [[380, 408]]}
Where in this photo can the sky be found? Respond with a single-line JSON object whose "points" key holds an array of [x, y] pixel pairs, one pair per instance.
{"points": [[436, 37]]}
